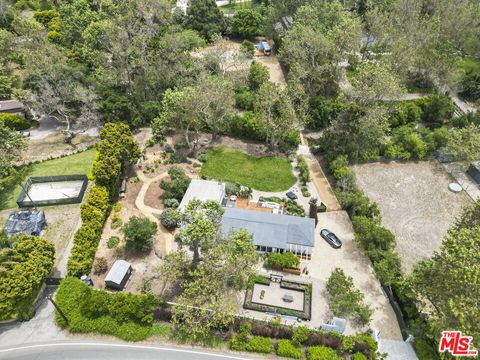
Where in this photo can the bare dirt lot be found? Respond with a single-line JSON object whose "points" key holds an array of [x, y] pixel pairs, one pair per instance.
{"points": [[415, 204]]}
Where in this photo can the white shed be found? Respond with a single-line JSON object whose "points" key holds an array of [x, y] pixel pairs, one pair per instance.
{"points": [[118, 275]]}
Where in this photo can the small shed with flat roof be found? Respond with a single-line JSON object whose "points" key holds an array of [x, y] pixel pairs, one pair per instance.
{"points": [[203, 190], [118, 275]]}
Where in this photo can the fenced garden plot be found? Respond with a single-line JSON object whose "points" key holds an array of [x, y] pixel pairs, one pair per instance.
{"points": [[284, 298], [53, 190]]}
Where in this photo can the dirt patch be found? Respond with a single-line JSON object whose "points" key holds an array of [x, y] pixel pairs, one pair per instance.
{"points": [[153, 197], [415, 203], [54, 145], [277, 75]]}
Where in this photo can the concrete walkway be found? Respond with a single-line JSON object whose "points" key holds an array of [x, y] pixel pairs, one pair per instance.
{"points": [[164, 239]]}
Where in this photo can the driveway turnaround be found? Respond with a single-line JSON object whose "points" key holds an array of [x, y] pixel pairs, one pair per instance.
{"points": [[107, 351]]}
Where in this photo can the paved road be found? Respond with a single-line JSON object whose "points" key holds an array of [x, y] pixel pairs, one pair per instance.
{"points": [[106, 351]]}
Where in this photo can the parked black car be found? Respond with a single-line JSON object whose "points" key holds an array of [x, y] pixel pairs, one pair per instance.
{"points": [[291, 195], [331, 238]]}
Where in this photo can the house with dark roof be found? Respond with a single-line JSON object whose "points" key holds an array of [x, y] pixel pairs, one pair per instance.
{"points": [[12, 107], [273, 232]]}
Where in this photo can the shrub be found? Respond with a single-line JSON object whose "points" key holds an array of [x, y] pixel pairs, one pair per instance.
{"points": [[244, 99], [471, 85], [139, 233], [282, 260], [285, 348], [466, 119], [359, 356], [322, 353], [171, 203], [257, 76], [237, 344], [246, 126], [100, 266], [260, 344], [247, 48], [15, 122], [169, 219], [323, 111], [179, 181], [231, 188], [404, 113], [409, 143], [357, 203], [113, 242], [125, 315], [24, 268], [116, 222], [300, 335], [305, 192], [345, 300], [437, 109], [304, 173], [294, 209]]}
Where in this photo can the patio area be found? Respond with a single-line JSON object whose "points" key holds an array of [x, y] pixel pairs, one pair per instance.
{"points": [[273, 295]]}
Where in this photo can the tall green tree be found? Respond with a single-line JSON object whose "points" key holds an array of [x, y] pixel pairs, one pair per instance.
{"points": [[447, 284], [11, 148], [201, 224], [276, 114], [247, 23], [205, 17]]}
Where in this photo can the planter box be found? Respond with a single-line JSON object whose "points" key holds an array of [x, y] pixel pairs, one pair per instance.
{"points": [[291, 271]]}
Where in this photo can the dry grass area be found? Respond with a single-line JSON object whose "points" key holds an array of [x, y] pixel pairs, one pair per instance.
{"points": [[62, 221], [415, 203], [54, 144]]}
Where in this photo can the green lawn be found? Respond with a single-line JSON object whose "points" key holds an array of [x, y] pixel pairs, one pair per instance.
{"points": [[237, 6], [80, 163], [263, 174]]}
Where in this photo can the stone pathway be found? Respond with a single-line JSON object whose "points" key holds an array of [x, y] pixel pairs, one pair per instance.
{"points": [[164, 239]]}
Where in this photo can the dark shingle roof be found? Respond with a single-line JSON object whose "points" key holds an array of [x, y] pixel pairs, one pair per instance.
{"points": [[10, 105], [270, 229]]}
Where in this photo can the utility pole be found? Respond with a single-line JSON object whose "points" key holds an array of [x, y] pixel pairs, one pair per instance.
{"points": [[26, 193], [49, 297]]}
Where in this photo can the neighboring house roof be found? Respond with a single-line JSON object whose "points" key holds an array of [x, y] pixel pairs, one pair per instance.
{"points": [[269, 229], [203, 190], [10, 105], [118, 271], [26, 222]]}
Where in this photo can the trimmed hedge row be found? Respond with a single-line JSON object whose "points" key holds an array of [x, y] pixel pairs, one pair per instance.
{"points": [[292, 340], [116, 149], [125, 315], [93, 214]]}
